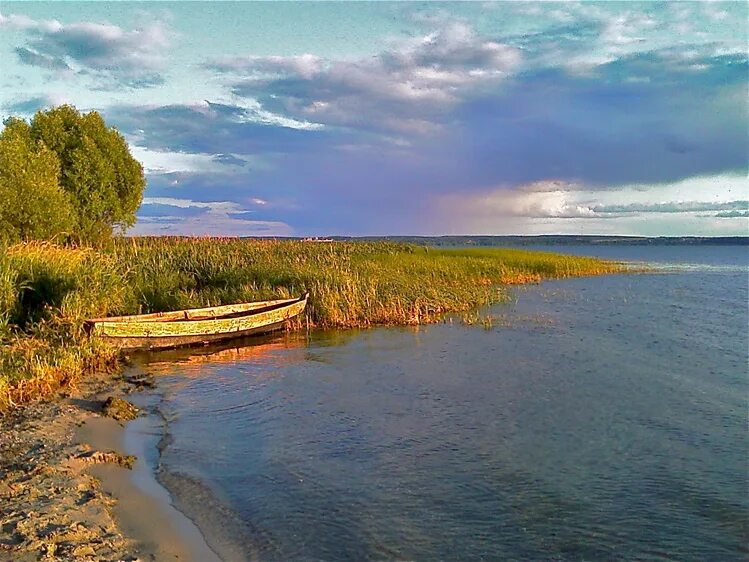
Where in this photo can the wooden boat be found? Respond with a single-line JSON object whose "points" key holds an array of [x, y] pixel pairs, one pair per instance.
{"points": [[197, 326]]}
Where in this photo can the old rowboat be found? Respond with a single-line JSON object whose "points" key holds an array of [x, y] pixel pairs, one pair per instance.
{"points": [[162, 330]]}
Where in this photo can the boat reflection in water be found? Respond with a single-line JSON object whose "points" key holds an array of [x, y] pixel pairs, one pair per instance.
{"points": [[196, 361]]}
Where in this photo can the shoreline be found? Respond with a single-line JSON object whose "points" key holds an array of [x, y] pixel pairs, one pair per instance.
{"points": [[61, 499], [144, 508]]}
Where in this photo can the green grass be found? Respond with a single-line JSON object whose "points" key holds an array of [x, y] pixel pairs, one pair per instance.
{"points": [[47, 291]]}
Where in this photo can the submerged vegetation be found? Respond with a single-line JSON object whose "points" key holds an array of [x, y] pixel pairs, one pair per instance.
{"points": [[47, 291]]}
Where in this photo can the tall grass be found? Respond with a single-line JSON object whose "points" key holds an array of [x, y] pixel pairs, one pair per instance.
{"points": [[45, 294], [47, 291]]}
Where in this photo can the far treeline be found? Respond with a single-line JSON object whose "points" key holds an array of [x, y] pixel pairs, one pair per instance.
{"points": [[66, 176]]}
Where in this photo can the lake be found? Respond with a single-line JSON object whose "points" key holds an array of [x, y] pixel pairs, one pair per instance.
{"points": [[594, 419]]}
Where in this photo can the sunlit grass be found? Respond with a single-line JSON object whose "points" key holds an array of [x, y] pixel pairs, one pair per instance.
{"points": [[47, 291]]}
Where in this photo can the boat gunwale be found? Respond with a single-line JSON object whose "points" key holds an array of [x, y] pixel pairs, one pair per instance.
{"points": [[227, 311]]}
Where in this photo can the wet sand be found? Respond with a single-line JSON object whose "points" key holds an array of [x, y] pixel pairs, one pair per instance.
{"points": [[66, 492]]}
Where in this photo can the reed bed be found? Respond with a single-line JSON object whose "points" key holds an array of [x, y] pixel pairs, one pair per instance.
{"points": [[47, 291]]}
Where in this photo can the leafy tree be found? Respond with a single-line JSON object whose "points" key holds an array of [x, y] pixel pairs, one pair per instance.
{"points": [[104, 182], [32, 203]]}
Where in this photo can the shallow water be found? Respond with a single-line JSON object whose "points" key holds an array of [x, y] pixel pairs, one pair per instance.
{"points": [[599, 418]]}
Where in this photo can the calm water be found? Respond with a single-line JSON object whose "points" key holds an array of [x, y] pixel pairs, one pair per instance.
{"points": [[601, 418]]}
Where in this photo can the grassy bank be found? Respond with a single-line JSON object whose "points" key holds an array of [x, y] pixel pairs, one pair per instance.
{"points": [[47, 291]]}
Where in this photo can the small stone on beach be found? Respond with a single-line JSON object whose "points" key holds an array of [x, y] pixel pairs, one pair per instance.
{"points": [[97, 457], [119, 409], [141, 381]]}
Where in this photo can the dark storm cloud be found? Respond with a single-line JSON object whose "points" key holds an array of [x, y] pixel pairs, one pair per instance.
{"points": [[634, 121]]}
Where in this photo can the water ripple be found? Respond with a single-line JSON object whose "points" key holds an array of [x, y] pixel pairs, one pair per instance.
{"points": [[616, 432]]}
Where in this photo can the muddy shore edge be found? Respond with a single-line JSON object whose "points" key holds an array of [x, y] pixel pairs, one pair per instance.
{"points": [[71, 491]]}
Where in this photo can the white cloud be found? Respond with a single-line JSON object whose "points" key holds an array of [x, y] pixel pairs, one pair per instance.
{"points": [[251, 111], [221, 218], [133, 57], [545, 206], [20, 21], [599, 33], [106, 46], [163, 162], [217, 226], [732, 214], [223, 207], [625, 29], [672, 207], [306, 65], [518, 203], [413, 81]]}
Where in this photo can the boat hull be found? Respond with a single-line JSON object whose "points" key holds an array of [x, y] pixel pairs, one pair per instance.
{"points": [[171, 342], [146, 332]]}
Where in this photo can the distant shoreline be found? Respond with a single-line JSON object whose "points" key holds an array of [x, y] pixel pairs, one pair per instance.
{"points": [[569, 240], [490, 241]]}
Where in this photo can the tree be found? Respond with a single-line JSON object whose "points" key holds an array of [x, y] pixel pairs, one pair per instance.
{"points": [[103, 180], [32, 203]]}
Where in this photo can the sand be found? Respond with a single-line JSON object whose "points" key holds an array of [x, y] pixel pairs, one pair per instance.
{"points": [[71, 489]]}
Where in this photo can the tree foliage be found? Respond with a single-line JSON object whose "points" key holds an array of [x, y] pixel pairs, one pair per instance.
{"points": [[102, 178], [32, 203], [67, 172]]}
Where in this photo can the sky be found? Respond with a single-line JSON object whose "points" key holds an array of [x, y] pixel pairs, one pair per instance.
{"points": [[408, 118]]}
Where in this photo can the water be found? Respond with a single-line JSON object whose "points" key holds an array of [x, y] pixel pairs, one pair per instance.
{"points": [[599, 418]]}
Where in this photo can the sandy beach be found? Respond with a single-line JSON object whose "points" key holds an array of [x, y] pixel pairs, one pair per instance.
{"points": [[71, 488]]}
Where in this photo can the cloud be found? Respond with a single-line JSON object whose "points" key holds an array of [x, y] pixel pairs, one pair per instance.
{"points": [[585, 132], [581, 209], [217, 226], [166, 162], [210, 128], [605, 129], [516, 203], [223, 225], [575, 202], [250, 111], [107, 52], [582, 36], [23, 22], [549, 186], [586, 209], [151, 211], [330, 124], [229, 160], [186, 217], [306, 66], [403, 89], [29, 106], [673, 207], [732, 214], [212, 206], [365, 145], [34, 58]]}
